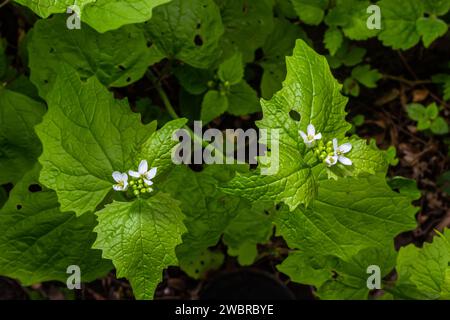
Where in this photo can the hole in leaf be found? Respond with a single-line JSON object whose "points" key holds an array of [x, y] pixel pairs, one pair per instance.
{"points": [[259, 54], [8, 187], [128, 79], [52, 50], [197, 271], [46, 81], [202, 262], [294, 115], [19, 206], [121, 67], [198, 40], [199, 25], [34, 188], [149, 44]]}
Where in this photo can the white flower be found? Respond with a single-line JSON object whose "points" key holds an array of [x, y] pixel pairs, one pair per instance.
{"points": [[331, 160], [144, 173], [311, 137], [122, 181], [339, 151]]}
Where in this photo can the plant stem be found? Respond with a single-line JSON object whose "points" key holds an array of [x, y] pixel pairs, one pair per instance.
{"points": [[4, 3], [174, 115]]}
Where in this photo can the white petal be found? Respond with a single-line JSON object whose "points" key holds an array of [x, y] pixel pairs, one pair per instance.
{"points": [[143, 167], [345, 161], [318, 136], [125, 185], [117, 176], [346, 147], [335, 144], [151, 174], [304, 136], [117, 187], [331, 160], [311, 130], [134, 174], [148, 182], [124, 177]]}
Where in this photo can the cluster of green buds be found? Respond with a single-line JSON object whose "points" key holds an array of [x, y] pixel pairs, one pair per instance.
{"points": [[322, 150], [222, 86], [139, 187], [140, 181], [330, 152]]}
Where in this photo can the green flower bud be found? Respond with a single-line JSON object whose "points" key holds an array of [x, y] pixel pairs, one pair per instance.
{"points": [[132, 183], [149, 190], [329, 150], [211, 83], [144, 190], [330, 144], [136, 192], [226, 84]]}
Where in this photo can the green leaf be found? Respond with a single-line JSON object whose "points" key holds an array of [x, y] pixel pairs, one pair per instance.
{"points": [[211, 213], [198, 266], [444, 79], [102, 15], [430, 29], [349, 281], [193, 80], [157, 149], [399, 29], [19, 144], [351, 87], [333, 39], [117, 58], [437, 7], [78, 157], [439, 126], [416, 111], [278, 45], [208, 210], [188, 32], [348, 55], [232, 69], [351, 16], [349, 215], [310, 11], [243, 100], [247, 25], [247, 229], [366, 76], [432, 111], [214, 104], [405, 186], [140, 238], [349, 227], [38, 242], [310, 91], [424, 273]]}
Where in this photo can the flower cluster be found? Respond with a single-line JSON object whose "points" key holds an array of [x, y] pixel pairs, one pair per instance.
{"points": [[141, 180], [330, 153]]}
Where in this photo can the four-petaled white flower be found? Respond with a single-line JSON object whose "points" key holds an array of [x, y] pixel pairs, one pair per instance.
{"points": [[339, 152], [122, 181], [331, 160], [144, 173], [311, 136]]}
